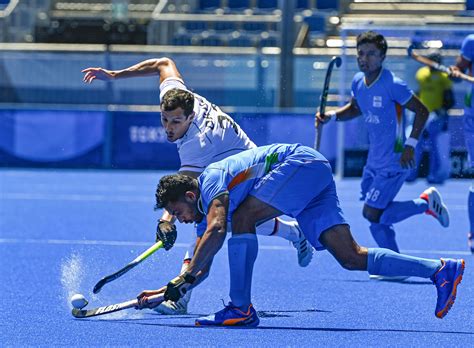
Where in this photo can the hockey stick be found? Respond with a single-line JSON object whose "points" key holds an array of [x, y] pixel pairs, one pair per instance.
{"points": [[128, 267], [87, 313], [324, 98], [437, 66]]}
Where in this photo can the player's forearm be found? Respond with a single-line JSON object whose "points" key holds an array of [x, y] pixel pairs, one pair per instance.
{"points": [[421, 116], [150, 67], [201, 276], [347, 112], [419, 124], [210, 244]]}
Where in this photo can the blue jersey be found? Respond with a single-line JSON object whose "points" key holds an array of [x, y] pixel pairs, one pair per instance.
{"points": [[381, 105], [238, 174], [467, 52]]}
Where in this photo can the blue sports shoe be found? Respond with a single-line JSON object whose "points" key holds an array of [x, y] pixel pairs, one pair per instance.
{"points": [[231, 316], [446, 280]]}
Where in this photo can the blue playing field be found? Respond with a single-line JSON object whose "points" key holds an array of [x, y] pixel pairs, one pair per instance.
{"points": [[61, 231]]}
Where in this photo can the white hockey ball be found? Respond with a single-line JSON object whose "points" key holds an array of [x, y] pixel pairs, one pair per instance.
{"points": [[79, 301]]}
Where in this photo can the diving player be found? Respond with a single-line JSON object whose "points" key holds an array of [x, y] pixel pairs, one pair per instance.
{"points": [[203, 134], [257, 185]]}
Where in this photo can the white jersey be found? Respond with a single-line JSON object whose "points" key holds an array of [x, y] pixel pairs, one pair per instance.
{"points": [[211, 137]]}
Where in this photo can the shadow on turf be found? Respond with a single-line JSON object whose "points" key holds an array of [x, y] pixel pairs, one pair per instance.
{"points": [[408, 282], [261, 314], [289, 328]]}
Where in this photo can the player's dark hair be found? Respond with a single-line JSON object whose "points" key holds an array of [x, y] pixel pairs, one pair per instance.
{"points": [[178, 98], [172, 189], [372, 37]]}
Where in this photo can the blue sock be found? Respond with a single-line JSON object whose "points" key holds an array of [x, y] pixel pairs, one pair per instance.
{"points": [[398, 211], [384, 236], [243, 250], [470, 208], [388, 263]]}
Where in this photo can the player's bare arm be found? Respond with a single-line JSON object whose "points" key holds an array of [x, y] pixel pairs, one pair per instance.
{"points": [[214, 236], [203, 273], [164, 67], [211, 242], [347, 112], [407, 160]]}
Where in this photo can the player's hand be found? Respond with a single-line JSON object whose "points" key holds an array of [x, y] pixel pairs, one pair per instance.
{"points": [[454, 71], [97, 73], [144, 295], [178, 287], [408, 157], [167, 233], [322, 118]]}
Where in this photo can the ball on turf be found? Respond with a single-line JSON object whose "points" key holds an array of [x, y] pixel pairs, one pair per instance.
{"points": [[78, 301]]}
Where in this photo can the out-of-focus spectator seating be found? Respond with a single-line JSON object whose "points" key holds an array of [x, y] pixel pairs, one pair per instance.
{"points": [[221, 23], [400, 12], [96, 21], [424, 14], [235, 23]]}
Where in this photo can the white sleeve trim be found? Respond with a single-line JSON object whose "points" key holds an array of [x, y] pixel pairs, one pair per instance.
{"points": [[408, 99]]}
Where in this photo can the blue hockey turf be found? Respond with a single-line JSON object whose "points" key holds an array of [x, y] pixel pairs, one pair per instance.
{"points": [[62, 231]]}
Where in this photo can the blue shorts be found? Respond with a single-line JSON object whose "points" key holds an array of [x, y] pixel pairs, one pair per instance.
{"points": [[469, 137], [302, 186], [379, 188]]}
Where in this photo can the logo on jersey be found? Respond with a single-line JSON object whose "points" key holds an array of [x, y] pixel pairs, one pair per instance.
{"points": [[261, 182], [377, 101], [371, 118]]}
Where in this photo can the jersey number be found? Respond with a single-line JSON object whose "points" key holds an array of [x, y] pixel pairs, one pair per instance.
{"points": [[372, 195]]}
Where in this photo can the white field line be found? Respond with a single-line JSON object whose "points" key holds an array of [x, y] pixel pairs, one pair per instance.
{"points": [[137, 198], [76, 197], [184, 245]]}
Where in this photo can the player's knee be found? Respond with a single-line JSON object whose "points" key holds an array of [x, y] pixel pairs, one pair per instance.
{"points": [[349, 264], [372, 215], [243, 221], [353, 261]]}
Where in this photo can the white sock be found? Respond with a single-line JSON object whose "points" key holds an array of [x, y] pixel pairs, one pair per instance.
{"points": [[280, 228]]}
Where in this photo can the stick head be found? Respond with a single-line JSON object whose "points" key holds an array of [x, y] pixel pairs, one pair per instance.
{"points": [[99, 285], [337, 61], [410, 49]]}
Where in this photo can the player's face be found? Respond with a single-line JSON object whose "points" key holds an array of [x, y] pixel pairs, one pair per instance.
{"points": [[176, 123], [185, 210], [369, 58]]}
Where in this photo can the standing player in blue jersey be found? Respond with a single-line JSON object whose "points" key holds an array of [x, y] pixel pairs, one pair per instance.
{"points": [[256, 185], [380, 97], [463, 64]]}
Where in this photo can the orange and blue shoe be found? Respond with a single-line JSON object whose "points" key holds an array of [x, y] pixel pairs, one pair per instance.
{"points": [[231, 316], [446, 280]]}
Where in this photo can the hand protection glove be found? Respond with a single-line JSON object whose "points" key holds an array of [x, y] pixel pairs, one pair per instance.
{"points": [[178, 287], [166, 232]]}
